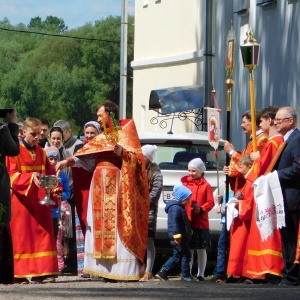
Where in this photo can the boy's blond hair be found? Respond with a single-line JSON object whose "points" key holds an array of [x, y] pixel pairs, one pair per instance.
{"points": [[31, 123], [246, 160]]}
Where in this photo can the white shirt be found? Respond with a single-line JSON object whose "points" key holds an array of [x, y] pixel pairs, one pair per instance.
{"points": [[287, 135]]}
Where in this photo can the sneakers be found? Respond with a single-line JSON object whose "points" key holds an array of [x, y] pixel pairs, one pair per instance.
{"points": [[232, 279], [254, 281], [217, 279], [43, 279], [189, 279], [21, 280], [49, 279], [85, 275], [272, 279], [248, 281], [200, 278], [147, 276], [161, 275]]}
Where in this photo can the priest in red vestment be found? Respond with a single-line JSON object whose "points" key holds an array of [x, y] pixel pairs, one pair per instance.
{"points": [[264, 257], [118, 204], [236, 179], [31, 224]]}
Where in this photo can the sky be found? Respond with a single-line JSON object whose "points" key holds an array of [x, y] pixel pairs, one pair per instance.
{"points": [[75, 13]]}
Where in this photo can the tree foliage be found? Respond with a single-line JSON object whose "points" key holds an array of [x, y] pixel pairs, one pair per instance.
{"points": [[58, 77], [51, 24]]}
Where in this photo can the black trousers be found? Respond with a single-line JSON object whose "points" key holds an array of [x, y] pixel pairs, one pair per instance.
{"points": [[6, 255], [289, 235]]}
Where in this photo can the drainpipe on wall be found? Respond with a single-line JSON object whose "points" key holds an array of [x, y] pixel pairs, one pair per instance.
{"points": [[207, 84]]}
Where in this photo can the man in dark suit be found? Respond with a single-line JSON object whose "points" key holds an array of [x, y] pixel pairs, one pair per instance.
{"points": [[288, 167], [9, 146]]}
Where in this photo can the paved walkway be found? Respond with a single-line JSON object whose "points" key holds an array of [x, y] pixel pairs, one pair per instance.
{"points": [[72, 287]]}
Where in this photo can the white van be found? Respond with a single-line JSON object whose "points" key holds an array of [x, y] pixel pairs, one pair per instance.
{"points": [[174, 151]]}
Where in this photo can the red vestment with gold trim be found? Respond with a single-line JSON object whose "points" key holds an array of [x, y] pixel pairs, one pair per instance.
{"points": [[239, 232], [31, 224], [119, 202], [263, 257]]}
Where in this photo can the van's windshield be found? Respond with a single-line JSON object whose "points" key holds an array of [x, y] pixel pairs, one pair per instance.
{"points": [[177, 157]]}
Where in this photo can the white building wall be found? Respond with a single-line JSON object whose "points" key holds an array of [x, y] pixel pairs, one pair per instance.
{"points": [[168, 53]]}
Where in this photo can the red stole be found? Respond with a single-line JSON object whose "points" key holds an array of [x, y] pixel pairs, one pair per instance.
{"points": [[132, 191], [263, 257], [236, 179]]}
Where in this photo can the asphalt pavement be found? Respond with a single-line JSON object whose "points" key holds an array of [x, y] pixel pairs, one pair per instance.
{"points": [[73, 287]]}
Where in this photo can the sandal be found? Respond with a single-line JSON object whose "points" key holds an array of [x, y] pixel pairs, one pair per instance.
{"points": [[147, 276], [43, 279], [21, 280]]}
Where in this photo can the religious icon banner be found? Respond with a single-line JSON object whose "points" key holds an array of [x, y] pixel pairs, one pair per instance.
{"points": [[213, 117]]}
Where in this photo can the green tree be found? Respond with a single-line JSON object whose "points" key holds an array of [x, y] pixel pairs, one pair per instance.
{"points": [[35, 24], [51, 24], [55, 24], [61, 77]]}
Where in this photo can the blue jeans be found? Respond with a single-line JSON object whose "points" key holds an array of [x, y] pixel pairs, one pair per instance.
{"points": [[220, 268], [180, 252]]}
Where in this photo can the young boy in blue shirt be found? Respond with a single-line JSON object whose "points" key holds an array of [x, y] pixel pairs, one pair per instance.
{"points": [[179, 231], [61, 193]]}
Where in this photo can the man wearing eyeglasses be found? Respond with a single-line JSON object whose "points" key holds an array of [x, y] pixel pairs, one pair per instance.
{"points": [[288, 167]]}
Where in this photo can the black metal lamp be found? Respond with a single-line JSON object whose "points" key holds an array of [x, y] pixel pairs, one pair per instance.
{"points": [[250, 51], [250, 54]]}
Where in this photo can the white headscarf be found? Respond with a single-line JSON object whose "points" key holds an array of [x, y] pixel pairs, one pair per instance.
{"points": [[94, 124], [198, 164], [149, 151]]}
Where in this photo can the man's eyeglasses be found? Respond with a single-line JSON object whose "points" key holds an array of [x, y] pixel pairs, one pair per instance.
{"points": [[280, 120]]}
